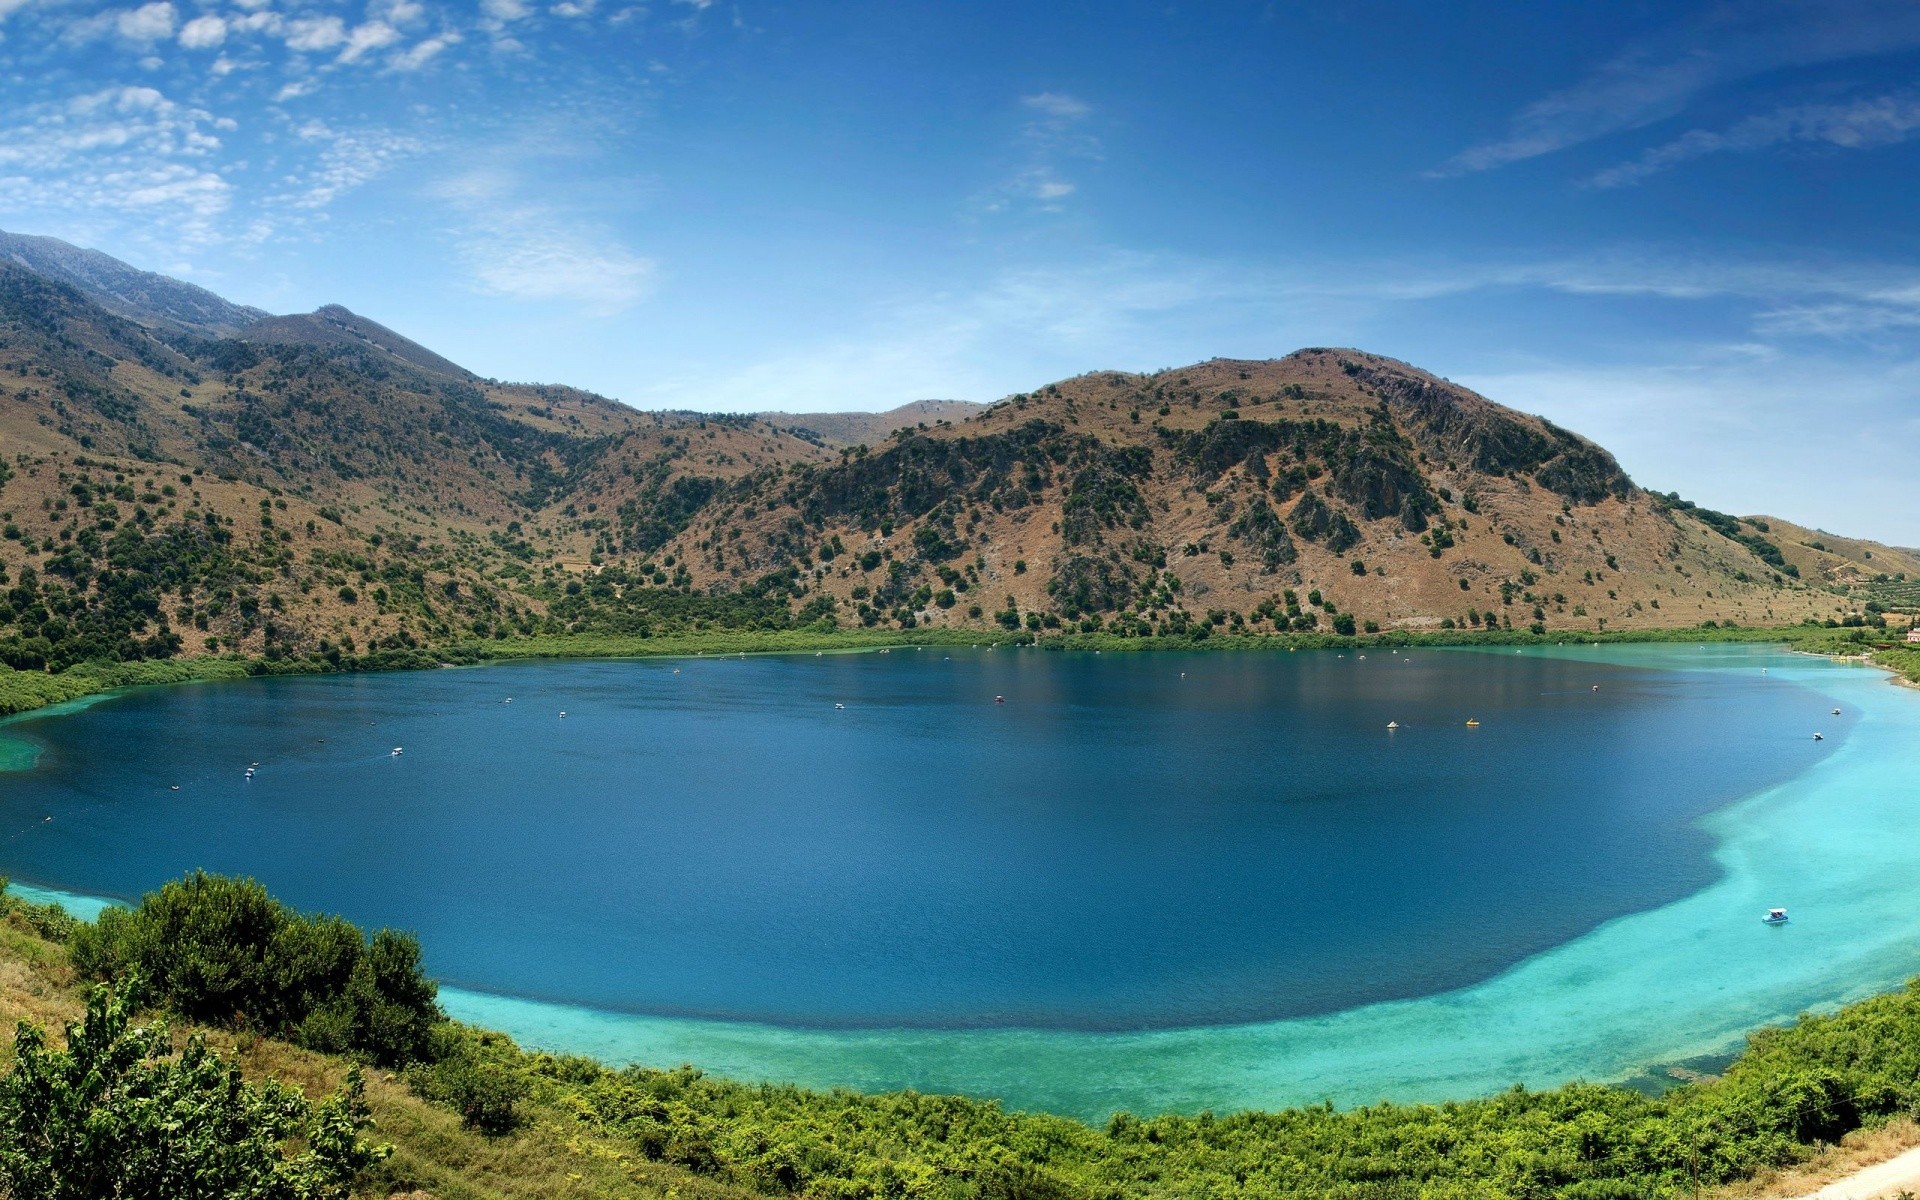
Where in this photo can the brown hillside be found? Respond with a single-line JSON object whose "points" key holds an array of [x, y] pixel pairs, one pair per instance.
{"points": [[1218, 488], [322, 485], [870, 428]]}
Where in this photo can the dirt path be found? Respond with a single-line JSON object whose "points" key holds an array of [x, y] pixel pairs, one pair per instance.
{"points": [[1883, 1179]]}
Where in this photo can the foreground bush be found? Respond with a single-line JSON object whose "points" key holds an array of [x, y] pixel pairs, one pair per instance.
{"points": [[117, 1114], [222, 951]]}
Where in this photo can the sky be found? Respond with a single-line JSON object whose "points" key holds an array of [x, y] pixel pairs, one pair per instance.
{"points": [[1687, 230]]}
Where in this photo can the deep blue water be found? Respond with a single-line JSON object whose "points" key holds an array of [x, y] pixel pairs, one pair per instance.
{"points": [[1130, 841]]}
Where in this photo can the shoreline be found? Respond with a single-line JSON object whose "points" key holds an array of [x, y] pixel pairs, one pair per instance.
{"points": [[24, 693], [1348, 1057]]}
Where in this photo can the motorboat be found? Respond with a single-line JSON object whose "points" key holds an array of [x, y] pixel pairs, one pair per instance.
{"points": [[1393, 724], [1472, 724], [1836, 712], [395, 752], [1775, 916], [1819, 737]]}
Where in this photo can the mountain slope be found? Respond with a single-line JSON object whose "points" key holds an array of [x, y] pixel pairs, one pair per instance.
{"points": [[869, 428], [319, 485], [1234, 493], [125, 291]]}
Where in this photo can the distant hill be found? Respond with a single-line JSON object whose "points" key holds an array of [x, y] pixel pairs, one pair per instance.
{"points": [[125, 291], [319, 485], [869, 428], [335, 325]]}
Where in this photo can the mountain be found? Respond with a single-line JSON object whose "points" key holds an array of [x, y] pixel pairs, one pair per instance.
{"points": [[319, 485], [867, 428], [125, 291], [335, 325]]}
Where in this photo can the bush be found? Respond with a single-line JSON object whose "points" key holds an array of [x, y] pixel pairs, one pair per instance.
{"points": [[465, 1077], [49, 921], [485, 1094], [116, 1113], [223, 951]]}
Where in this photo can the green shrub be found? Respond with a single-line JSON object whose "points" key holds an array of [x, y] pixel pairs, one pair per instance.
{"points": [[116, 1113], [466, 1075], [223, 951]]}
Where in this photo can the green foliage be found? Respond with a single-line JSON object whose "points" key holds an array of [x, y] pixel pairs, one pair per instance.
{"points": [[117, 1113], [49, 921], [1263, 530], [1315, 520], [223, 951], [1793, 1089], [481, 1085]]}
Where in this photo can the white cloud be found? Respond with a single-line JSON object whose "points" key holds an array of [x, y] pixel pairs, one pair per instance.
{"points": [[1050, 137], [502, 11], [295, 90], [373, 35], [127, 151], [528, 250], [1059, 106], [344, 160], [1658, 78], [397, 12], [203, 33], [310, 34], [1863, 124], [148, 23], [421, 53]]}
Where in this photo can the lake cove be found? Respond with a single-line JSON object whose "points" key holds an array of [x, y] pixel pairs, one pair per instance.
{"points": [[1143, 881]]}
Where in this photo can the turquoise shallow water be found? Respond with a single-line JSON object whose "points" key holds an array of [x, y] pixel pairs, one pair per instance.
{"points": [[1835, 842]]}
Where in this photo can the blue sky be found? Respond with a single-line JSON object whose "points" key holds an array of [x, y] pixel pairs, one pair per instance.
{"points": [[1687, 230]]}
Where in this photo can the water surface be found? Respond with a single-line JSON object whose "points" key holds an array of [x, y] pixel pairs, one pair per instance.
{"points": [[707, 859]]}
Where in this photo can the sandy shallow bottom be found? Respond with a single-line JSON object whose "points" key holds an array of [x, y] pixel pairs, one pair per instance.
{"points": [[1839, 845]]}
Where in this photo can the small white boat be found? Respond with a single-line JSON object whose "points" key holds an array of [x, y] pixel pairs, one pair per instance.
{"points": [[839, 706], [249, 772], [1596, 687], [1393, 724], [1836, 712], [396, 752], [1775, 916], [563, 712], [1819, 737]]}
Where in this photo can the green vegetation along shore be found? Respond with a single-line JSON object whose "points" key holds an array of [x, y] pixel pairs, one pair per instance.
{"points": [[24, 691], [321, 1052]]}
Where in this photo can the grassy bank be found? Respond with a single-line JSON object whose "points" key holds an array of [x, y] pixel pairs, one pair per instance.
{"points": [[515, 1123], [24, 691]]}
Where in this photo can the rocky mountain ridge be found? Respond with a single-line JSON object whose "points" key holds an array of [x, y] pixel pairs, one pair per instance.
{"points": [[319, 485]]}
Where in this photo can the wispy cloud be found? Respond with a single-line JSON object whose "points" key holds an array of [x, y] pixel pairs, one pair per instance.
{"points": [[126, 150], [1658, 79], [1863, 124], [526, 249], [1052, 135], [344, 161]]}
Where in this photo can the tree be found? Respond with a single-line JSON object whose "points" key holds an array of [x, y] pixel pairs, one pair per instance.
{"points": [[118, 1114]]}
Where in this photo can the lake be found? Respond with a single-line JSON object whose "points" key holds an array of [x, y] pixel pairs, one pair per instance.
{"points": [[906, 868]]}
